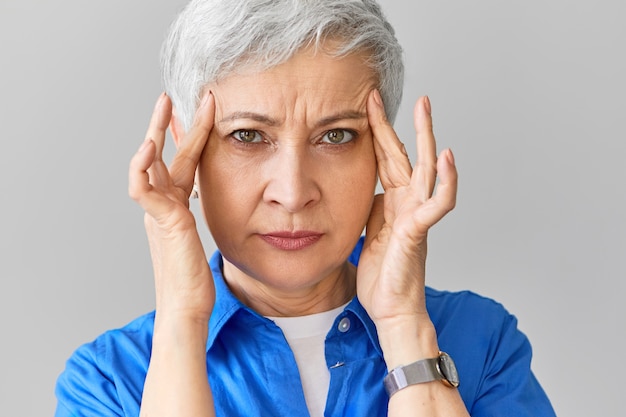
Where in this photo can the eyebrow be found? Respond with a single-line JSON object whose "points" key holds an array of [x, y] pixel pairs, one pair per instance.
{"points": [[261, 118], [248, 115], [346, 115]]}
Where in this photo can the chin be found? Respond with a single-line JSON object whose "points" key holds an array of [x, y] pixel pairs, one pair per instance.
{"points": [[287, 273]]}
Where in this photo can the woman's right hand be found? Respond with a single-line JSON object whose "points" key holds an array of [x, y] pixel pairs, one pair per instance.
{"points": [[183, 281]]}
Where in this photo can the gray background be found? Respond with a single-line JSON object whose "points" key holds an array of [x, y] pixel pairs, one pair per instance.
{"points": [[529, 94]]}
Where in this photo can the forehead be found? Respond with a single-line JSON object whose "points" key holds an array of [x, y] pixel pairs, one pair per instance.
{"points": [[310, 81]]}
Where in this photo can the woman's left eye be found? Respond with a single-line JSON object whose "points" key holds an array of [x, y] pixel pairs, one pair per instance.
{"points": [[338, 136]]}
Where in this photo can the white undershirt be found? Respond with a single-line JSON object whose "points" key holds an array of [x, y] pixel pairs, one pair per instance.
{"points": [[306, 336]]}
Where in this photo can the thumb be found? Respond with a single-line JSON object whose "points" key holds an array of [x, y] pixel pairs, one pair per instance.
{"points": [[376, 220]]}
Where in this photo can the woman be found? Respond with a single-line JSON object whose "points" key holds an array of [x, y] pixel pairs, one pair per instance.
{"points": [[281, 113]]}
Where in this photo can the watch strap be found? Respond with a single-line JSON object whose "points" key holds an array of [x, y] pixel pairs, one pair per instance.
{"points": [[425, 370]]}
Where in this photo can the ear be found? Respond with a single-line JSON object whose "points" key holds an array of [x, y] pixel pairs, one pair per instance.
{"points": [[176, 127]]}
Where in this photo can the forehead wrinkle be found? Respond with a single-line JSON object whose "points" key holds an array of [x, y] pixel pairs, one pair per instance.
{"points": [[269, 121], [298, 109], [344, 115], [318, 106], [250, 115], [287, 96]]}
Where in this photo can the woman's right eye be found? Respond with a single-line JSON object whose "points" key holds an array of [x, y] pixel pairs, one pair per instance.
{"points": [[247, 136]]}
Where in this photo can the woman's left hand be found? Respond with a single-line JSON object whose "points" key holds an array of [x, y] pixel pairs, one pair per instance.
{"points": [[391, 270]]}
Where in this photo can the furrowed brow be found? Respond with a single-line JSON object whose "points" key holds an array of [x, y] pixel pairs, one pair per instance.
{"points": [[346, 115], [247, 115], [261, 118]]}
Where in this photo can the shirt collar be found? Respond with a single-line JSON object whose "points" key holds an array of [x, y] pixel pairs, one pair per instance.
{"points": [[359, 311], [227, 305]]}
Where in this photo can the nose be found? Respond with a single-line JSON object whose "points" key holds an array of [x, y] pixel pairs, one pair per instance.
{"points": [[292, 179]]}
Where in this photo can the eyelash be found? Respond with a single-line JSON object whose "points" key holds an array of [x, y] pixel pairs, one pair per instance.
{"points": [[352, 135], [345, 132], [238, 132]]}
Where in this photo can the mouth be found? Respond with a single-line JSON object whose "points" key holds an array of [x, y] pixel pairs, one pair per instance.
{"points": [[291, 241]]}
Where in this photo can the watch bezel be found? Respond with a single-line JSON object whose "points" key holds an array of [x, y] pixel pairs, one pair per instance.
{"points": [[447, 369]]}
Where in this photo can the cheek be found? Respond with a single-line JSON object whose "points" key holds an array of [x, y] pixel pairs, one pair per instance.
{"points": [[364, 171], [352, 185], [227, 185]]}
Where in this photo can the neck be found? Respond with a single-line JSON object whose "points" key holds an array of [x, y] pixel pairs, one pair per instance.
{"points": [[325, 294]]}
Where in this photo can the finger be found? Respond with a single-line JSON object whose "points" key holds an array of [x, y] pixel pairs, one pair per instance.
{"points": [[425, 170], [159, 122], [444, 200], [183, 166], [394, 167], [138, 178], [152, 201]]}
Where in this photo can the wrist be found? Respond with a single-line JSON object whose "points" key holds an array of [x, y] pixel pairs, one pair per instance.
{"points": [[180, 332], [407, 340]]}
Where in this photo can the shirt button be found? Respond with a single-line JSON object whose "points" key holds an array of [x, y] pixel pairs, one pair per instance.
{"points": [[344, 325]]}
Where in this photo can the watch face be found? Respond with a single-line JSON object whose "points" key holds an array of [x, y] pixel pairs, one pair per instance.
{"points": [[448, 369]]}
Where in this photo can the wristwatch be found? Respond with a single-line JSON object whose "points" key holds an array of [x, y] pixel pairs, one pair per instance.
{"points": [[426, 370]]}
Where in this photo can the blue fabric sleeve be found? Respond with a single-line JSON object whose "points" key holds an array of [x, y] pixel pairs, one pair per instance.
{"points": [[84, 389], [508, 387], [492, 355]]}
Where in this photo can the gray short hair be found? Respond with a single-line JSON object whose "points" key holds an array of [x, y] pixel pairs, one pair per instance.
{"points": [[211, 39]]}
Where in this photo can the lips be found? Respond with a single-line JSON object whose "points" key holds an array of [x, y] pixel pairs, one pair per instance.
{"points": [[291, 241]]}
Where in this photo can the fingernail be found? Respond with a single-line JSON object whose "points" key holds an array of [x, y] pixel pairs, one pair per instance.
{"points": [[205, 98], [159, 101], [377, 98], [201, 107], [427, 105], [451, 157], [161, 98]]}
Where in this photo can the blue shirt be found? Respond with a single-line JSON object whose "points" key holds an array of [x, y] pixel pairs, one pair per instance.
{"points": [[252, 371]]}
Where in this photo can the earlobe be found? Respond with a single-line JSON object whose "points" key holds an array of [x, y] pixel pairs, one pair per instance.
{"points": [[176, 127]]}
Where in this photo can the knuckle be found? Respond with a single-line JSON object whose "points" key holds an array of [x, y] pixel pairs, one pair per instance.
{"points": [[449, 205], [134, 193]]}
